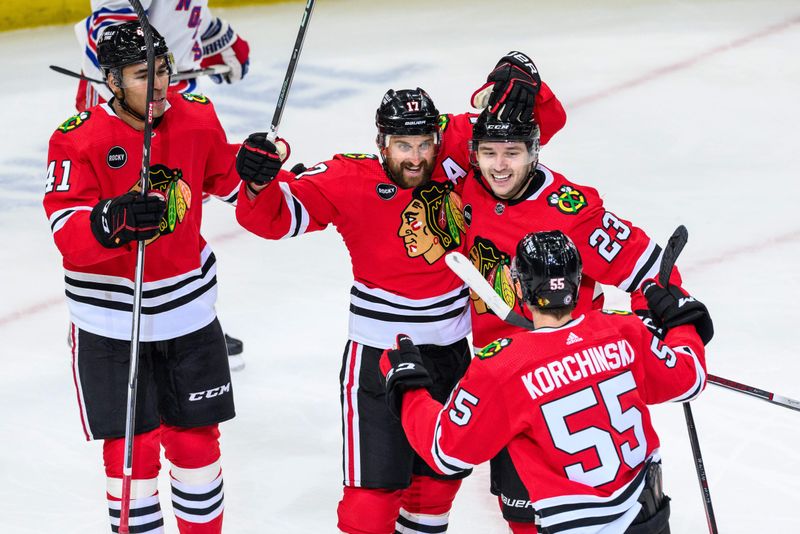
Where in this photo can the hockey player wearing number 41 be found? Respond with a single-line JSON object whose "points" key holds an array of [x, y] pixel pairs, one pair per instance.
{"points": [[97, 214], [398, 215], [567, 399]]}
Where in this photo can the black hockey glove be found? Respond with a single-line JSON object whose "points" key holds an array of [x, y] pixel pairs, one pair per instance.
{"points": [[671, 307], [259, 160], [511, 88], [404, 370], [129, 217]]}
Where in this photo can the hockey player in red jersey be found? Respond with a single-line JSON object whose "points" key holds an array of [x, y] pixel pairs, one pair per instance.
{"points": [[96, 217], [194, 35], [568, 399], [398, 214], [510, 193], [195, 38]]}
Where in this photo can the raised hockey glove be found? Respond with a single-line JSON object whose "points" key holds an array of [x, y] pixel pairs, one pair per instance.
{"points": [[403, 370], [259, 160], [223, 46], [129, 217], [511, 88], [672, 306]]}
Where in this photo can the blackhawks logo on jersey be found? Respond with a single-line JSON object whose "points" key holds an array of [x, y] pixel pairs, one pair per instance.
{"points": [[432, 223], [197, 99], [493, 348], [568, 200], [495, 266], [178, 195], [74, 122], [616, 312]]}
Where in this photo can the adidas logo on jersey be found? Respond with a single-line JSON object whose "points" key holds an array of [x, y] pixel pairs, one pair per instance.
{"points": [[573, 338]]}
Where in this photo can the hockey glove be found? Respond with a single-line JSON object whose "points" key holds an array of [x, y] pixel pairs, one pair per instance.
{"points": [[511, 88], [222, 45], [672, 306], [129, 217], [403, 370], [259, 160]]}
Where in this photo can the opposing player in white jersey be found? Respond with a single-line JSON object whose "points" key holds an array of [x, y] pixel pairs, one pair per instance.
{"points": [[194, 35]]}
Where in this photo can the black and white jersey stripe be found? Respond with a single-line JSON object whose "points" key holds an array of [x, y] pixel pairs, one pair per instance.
{"points": [[377, 316], [695, 389], [231, 197], [300, 218], [590, 514], [646, 267], [171, 307], [59, 218]]}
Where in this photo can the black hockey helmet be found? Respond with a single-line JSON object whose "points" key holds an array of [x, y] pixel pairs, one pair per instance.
{"points": [[547, 269], [406, 112], [488, 127], [124, 44]]}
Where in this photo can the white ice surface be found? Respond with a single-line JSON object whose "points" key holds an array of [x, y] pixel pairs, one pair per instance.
{"points": [[679, 112]]}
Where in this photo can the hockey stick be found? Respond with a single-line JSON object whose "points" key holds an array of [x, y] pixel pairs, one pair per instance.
{"points": [[185, 75], [768, 396], [671, 252], [133, 372], [287, 80]]}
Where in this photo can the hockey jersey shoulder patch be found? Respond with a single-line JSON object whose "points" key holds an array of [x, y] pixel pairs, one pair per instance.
{"points": [[494, 348], [616, 312], [444, 121], [354, 155], [195, 98], [74, 122], [568, 200]]}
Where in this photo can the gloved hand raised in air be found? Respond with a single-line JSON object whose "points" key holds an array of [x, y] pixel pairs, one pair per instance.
{"points": [[511, 88], [672, 306], [129, 217], [403, 369], [223, 46], [259, 160]]}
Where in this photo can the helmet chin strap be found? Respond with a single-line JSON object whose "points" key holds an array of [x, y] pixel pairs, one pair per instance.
{"points": [[121, 99]]}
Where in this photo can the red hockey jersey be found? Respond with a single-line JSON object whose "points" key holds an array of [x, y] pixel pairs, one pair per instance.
{"points": [[570, 403], [95, 155], [396, 237], [613, 250]]}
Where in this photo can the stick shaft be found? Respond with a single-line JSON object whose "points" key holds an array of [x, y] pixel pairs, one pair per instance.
{"points": [[287, 80]]}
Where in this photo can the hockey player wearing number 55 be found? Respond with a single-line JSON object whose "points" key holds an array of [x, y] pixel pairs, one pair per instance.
{"points": [[96, 215], [567, 399], [398, 214]]}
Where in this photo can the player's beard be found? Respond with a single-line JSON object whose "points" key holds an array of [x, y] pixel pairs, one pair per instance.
{"points": [[406, 175]]}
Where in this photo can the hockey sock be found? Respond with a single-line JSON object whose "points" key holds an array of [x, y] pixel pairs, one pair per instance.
{"points": [[198, 499], [522, 528], [368, 511], [196, 477], [426, 505], [145, 510]]}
